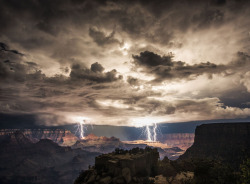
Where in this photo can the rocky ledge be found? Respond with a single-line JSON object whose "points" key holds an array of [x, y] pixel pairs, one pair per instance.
{"points": [[122, 166]]}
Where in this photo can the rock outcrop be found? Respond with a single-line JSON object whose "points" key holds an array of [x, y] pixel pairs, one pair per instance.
{"points": [[229, 142], [61, 136], [122, 166], [101, 144]]}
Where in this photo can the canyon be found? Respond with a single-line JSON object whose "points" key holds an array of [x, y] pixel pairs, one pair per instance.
{"points": [[57, 155], [218, 154], [170, 145], [23, 161], [67, 138]]}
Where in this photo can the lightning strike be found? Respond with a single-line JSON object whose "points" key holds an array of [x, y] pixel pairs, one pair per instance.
{"points": [[151, 133], [148, 132], [81, 122], [81, 129]]}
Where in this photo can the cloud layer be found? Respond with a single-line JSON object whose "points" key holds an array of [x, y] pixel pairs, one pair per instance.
{"points": [[125, 62]]}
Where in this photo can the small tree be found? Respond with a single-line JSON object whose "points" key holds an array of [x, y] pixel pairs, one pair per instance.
{"points": [[245, 172]]}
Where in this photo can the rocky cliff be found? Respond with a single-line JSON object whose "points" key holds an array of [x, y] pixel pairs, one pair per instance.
{"points": [[61, 136], [122, 166], [229, 142], [181, 140]]}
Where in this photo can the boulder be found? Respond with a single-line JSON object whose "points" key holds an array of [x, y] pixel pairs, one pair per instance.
{"points": [[91, 178], [119, 180], [126, 173], [106, 180]]}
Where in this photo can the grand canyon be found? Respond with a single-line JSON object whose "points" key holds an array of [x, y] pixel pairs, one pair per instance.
{"points": [[124, 91], [58, 156], [28, 155]]}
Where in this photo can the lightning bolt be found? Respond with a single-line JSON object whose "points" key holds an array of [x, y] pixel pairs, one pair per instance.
{"points": [[80, 128], [148, 133], [151, 133]]}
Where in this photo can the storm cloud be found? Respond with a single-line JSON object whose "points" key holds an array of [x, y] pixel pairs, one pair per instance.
{"points": [[95, 73], [125, 62], [165, 68], [101, 39]]}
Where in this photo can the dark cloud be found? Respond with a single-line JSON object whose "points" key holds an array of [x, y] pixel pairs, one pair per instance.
{"points": [[101, 38], [96, 67], [12, 66], [133, 81], [242, 60], [5, 48], [34, 91], [151, 59], [133, 20], [164, 68], [94, 74], [236, 97], [53, 35], [207, 18], [44, 24]]}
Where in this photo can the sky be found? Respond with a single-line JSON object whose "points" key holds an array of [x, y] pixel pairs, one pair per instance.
{"points": [[124, 63]]}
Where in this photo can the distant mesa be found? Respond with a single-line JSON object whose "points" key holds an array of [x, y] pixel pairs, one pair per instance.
{"points": [[101, 138], [101, 144], [91, 137], [229, 142]]}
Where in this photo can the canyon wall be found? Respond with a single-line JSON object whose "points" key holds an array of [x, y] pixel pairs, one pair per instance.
{"points": [[181, 140], [61, 136], [43, 162], [229, 142]]}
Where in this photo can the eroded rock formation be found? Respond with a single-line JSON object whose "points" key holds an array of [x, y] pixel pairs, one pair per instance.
{"points": [[122, 166], [61, 136]]}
